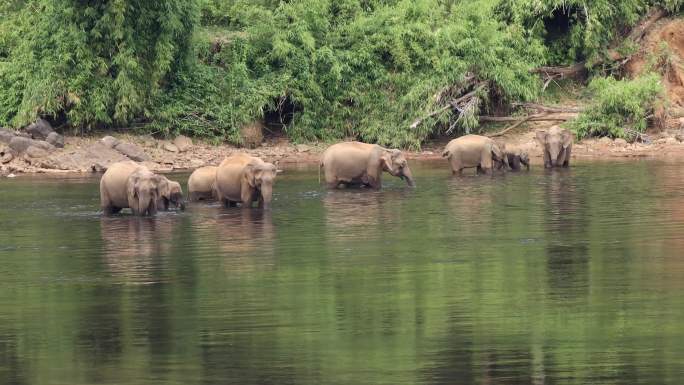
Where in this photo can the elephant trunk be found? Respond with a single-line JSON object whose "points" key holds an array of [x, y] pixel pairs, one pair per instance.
{"points": [[267, 195], [406, 172]]}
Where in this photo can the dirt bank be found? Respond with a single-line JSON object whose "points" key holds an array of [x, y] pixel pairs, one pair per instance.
{"points": [[87, 155]]}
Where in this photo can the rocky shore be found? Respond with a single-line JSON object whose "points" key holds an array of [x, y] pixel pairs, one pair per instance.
{"points": [[33, 151]]}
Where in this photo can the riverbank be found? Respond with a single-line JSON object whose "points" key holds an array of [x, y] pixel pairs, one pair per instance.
{"points": [[93, 154]]}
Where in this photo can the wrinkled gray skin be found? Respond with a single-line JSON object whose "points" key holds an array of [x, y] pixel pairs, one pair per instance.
{"points": [[474, 151], [171, 194], [130, 185], [245, 179], [516, 158], [556, 144], [362, 164], [202, 184]]}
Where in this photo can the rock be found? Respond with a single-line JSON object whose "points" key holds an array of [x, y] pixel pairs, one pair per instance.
{"points": [[302, 148], [40, 129], [620, 142], [252, 134], [149, 141], [11, 176], [19, 144], [671, 141], [36, 152], [195, 163], [132, 151], [6, 154], [183, 143], [170, 147], [605, 140], [109, 141], [6, 135], [55, 139], [681, 123], [680, 137], [43, 145]]}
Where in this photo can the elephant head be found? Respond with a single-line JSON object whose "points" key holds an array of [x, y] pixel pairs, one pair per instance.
{"points": [[499, 158], [260, 176], [394, 162], [555, 143], [143, 190], [525, 159], [170, 192]]}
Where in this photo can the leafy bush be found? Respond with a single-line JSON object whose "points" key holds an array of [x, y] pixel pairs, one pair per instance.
{"points": [[619, 108]]}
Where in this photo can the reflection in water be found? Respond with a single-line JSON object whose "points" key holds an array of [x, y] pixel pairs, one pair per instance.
{"points": [[567, 229], [569, 276]]}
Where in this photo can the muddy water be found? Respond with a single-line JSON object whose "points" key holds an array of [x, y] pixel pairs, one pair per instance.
{"points": [[567, 277]]}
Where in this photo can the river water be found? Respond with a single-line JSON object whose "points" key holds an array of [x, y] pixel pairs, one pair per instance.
{"points": [[565, 277]]}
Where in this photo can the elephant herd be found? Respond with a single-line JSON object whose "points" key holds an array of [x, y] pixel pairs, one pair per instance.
{"points": [[245, 179]]}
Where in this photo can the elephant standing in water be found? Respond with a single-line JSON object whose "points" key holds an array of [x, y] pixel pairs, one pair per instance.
{"points": [[516, 157], [171, 194], [202, 184], [556, 143], [357, 163], [471, 151], [128, 184], [246, 179]]}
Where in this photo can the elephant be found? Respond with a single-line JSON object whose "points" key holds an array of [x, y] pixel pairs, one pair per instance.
{"points": [[516, 157], [242, 178], [171, 194], [557, 146], [128, 184], [202, 184], [356, 163], [474, 151]]}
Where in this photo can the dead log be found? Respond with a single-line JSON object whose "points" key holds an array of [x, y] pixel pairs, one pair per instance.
{"points": [[548, 109], [514, 125], [555, 117]]}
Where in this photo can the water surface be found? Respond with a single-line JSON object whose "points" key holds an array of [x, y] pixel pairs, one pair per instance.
{"points": [[564, 277]]}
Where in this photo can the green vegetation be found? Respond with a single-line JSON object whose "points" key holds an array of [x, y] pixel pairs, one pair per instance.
{"points": [[619, 108], [321, 69]]}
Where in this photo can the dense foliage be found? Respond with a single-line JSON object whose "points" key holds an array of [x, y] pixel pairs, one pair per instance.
{"points": [[322, 69], [619, 108]]}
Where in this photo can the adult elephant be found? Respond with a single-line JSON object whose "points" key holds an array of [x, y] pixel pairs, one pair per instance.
{"points": [[477, 151], [202, 184], [357, 163], [171, 194], [242, 178], [557, 146], [130, 185]]}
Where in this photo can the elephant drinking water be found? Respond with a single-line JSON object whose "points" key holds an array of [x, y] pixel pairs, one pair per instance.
{"points": [[359, 163], [130, 185]]}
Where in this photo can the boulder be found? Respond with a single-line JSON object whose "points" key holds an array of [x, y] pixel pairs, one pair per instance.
{"points": [[19, 144], [132, 151], [36, 152], [55, 139], [303, 148], [170, 147], [43, 145], [6, 157], [620, 142], [252, 134], [40, 129], [605, 140], [183, 143], [6, 135], [671, 141], [109, 141]]}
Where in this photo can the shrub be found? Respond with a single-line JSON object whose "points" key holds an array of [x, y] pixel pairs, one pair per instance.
{"points": [[619, 108]]}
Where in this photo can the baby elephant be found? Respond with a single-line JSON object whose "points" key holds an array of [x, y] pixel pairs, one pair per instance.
{"points": [[362, 164], [516, 157], [471, 151], [202, 184], [128, 184], [171, 195]]}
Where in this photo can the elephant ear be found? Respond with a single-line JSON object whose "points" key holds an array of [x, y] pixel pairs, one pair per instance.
{"points": [[386, 160], [541, 137], [566, 138], [497, 152], [250, 175], [133, 186]]}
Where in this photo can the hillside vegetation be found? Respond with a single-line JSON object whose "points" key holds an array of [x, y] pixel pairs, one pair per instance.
{"points": [[387, 71]]}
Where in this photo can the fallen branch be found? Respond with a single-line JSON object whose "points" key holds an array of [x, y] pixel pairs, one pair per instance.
{"points": [[548, 109], [558, 117], [514, 125], [452, 104]]}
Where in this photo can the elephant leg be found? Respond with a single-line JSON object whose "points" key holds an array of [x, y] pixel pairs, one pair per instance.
{"points": [[566, 162]]}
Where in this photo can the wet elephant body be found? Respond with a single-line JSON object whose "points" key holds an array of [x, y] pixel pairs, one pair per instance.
{"points": [[356, 163], [242, 178], [202, 184], [130, 185], [474, 151]]}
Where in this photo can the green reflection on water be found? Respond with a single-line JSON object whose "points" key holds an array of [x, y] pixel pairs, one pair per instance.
{"points": [[564, 277]]}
